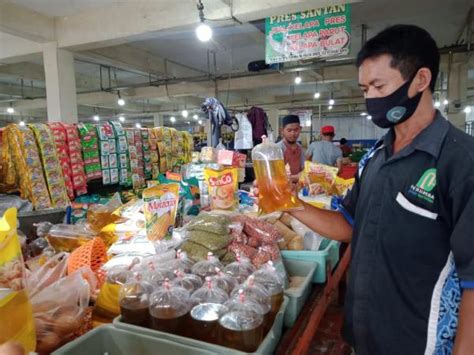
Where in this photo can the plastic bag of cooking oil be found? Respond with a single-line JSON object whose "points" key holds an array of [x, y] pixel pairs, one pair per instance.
{"points": [[16, 316], [98, 216], [161, 205]]}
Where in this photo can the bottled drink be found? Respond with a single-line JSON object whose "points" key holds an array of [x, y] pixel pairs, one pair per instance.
{"points": [[273, 184]]}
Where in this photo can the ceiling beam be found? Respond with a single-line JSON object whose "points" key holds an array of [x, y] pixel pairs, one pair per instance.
{"points": [[204, 88], [21, 22]]}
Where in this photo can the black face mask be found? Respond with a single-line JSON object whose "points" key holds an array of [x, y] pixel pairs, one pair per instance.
{"points": [[393, 109]]}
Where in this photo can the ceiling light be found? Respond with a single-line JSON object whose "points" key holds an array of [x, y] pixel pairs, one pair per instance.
{"points": [[317, 95], [120, 101], [445, 102], [363, 113], [330, 107], [204, 32], [172, 119], [195, 117], [331, 102], [369, 117], [121, 119], [185, 113], [22, 123], [96, 118], [138, 125], [10, 110], [200, 121], [467, 109], [298, 78], [437, 104]]}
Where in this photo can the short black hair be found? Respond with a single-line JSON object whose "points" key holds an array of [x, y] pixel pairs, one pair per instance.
{"points": [[411, 48], [343, 141], [289, 119]]}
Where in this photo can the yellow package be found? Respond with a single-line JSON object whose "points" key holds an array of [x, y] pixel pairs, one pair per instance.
{"points": [[340, 186], [161, 204], [319, 178], [223, 188], [16, 314]]}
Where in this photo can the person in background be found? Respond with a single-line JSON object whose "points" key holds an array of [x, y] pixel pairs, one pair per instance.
{"points": [[345, 148], [324, 151], [293, 152]]}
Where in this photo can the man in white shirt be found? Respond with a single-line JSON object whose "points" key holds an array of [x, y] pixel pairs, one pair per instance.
{"points": [[324, 151]]}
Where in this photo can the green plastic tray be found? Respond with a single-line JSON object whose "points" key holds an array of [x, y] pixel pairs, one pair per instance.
{"points": [[108, 339], [267, 346], [329, 255], [298, 295]]}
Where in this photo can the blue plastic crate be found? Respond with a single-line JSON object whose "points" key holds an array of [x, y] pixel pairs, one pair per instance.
{"points": [[327, 256]]}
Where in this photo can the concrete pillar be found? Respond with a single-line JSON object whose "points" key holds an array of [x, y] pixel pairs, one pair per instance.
{"points": [[157, 120], [60, 84], [273, 118], [457, 93]]}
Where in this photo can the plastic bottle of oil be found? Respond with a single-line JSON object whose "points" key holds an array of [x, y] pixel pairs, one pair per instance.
{"points": [[273, 183]]}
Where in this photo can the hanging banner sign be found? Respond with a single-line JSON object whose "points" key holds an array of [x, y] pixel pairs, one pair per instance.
{"points": [[319, 33]]}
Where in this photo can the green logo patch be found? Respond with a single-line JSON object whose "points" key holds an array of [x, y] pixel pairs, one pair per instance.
{"points": [[425, 186]]}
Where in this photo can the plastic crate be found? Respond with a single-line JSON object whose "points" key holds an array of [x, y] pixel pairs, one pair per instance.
{"points": [[267, 346], [298, 295], [108, 339], [329, 255]]}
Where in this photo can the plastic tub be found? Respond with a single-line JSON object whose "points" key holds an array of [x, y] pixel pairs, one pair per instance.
{"points": [[299, 294], [267, 346], [329, 255], [108, 339]]}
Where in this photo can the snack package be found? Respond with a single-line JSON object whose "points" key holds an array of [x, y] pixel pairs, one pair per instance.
{"points": [[59, 135], [161, 205], [223, 188], [318, 178], [90, 151], [27, 165], [51, 166], [16, 316]]}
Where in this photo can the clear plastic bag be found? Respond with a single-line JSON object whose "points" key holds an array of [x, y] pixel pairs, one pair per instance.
{"points": [[224, 281], [209, 293], [207, 267], [68, 237], [50, 272], [189, 282], [240, 269], [242, 326], [169, 307], [134, 300], [59, 309]]}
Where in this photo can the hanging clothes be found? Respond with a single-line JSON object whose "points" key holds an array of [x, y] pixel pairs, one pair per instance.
{"points": [[243, 137], [259, 121]]}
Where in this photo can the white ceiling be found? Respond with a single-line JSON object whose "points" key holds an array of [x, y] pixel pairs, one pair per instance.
{"points": [[57, 8]]}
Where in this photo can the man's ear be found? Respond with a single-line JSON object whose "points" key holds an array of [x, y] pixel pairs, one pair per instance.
{"points": [[422, 79]]}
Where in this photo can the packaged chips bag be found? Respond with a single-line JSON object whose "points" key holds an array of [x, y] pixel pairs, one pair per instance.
{"points": [[161, 205], [223, 188], [16, 315]]}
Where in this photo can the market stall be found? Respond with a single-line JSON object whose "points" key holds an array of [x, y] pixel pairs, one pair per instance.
{"points": [[170, 252]]}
